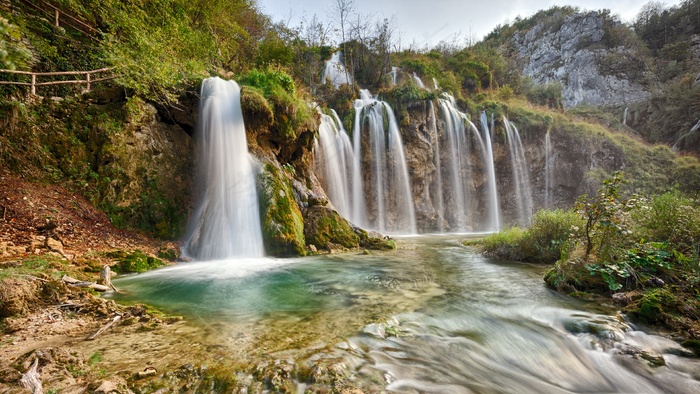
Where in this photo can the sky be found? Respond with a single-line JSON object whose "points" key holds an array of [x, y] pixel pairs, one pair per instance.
{"points": [[427, 22]]}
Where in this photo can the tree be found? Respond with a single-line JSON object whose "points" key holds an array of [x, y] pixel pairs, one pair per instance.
{"points": [[342, 10]]}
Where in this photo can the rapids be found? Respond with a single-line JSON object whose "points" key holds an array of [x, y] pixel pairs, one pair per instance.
{"points": [[433, 316]]}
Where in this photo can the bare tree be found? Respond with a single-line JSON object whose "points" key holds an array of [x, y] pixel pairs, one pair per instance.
{"points": [[342, 10]]}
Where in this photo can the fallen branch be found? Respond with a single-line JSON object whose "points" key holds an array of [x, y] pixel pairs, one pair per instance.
{"points": [[30, 379], [112, 322], [32, 277], [79, 283]]}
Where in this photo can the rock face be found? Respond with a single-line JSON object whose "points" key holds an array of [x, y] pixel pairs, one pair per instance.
{"points": [[574, 52]]}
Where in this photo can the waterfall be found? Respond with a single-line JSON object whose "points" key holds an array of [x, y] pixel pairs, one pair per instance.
{"points": [[383, 164], [548, 171], [226, 222], [521, 179], [394, 75], [456, 152], [333, 158], [624, 117], [418, 81], [439, 192], [494, 222], [335, 71]]}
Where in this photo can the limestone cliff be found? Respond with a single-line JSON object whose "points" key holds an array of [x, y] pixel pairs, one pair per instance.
{"points": [[581, 52]]}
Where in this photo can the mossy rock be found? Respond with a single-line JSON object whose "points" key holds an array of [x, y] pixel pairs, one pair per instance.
{"points": [[655, 306], [373, 242], [323, 226], [135, 261], [280, 216], [257, 111]]}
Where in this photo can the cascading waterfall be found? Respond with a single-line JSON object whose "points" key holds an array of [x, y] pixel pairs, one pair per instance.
{"points": [[387, 183], [333, 158], [335, 71], [624, 117], [438, 169], [394, 75], [456, 151], [548, 170], [521, 179], [494, 222], [367, 179], [418, 81], [226, 222]]}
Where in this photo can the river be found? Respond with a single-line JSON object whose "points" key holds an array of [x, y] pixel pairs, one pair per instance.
{"points": [[433, 316]]}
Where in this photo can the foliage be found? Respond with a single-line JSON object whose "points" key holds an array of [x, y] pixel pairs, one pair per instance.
{"points": [[291, 113], [544, 241], [135, 261], [605, 217], [13, 53]]}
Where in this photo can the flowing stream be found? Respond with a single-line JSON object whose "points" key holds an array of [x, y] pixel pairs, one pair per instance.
{"points": [[433, 316]]}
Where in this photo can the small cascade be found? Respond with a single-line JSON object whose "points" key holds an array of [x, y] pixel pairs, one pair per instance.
{"points": [[624, 117], [548, 171], [394, 75], [335, 71], [333, 160], [521, 179], [435, 84], [226, 222], [494, 222], [380, 171], [418, 81]]}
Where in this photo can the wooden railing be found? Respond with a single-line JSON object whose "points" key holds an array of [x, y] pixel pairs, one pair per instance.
{"points": [[58, 15], [33, 84]]}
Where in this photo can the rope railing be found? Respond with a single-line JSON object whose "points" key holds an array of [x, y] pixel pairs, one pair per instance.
{"points": [[33, 84]]}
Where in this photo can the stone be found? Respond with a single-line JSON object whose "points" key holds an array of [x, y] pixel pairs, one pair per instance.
{"points": [[55, 246], [575, 56], [113, 385]]}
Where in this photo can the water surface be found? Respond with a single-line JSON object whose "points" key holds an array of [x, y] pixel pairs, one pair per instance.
{"points": [[433, 316]]}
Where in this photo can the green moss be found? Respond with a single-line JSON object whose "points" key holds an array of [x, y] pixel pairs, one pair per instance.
{"points": [[282, 222], [135, 261], [692, 344], [654, 306], [324, 225], [373, 242], [257, 111]]}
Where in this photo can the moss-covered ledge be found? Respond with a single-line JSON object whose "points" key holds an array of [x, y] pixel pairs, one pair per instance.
{"points": [[280, 216]]}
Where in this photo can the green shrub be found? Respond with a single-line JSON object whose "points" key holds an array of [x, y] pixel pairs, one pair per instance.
{"points": [[550, 232], [543, 242]]}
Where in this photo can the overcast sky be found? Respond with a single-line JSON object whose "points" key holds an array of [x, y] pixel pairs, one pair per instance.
{"points": [[427, 22]]}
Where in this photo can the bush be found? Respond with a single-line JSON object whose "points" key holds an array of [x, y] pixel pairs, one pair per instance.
{"points": [[543, 242]]}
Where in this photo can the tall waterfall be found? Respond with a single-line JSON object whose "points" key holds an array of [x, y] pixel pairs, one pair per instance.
{"points": [[380, 171], [226, 222], [494, 222], [521, 179], [456, 160], [335, 71], [548, 171], [333, 159]]}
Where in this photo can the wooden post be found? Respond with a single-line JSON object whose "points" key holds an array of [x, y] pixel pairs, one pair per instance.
{"points": [[88, 81], [33, 89], [56, 13]]}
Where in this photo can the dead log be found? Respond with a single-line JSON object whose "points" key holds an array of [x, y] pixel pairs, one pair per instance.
{"points": [[106, 278], [30, 379], [102, 329], [79, 283]]}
